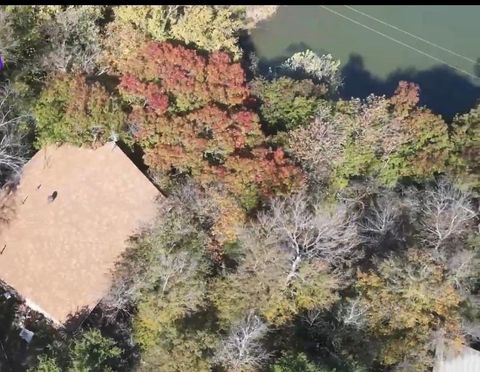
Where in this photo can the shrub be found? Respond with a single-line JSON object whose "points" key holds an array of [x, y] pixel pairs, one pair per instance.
{"points": [[71, 110], [285, 103]]}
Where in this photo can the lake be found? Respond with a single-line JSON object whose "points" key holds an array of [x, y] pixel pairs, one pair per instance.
{"points": [[434, 46]]}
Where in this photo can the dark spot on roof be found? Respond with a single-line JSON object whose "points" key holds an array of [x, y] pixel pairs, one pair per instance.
{"points": [[52, 197]]}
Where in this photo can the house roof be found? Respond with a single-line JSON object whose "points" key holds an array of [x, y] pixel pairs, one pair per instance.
{"points": [[70, 218]]}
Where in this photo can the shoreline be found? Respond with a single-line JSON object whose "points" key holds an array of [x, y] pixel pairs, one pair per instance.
{"points": [[258, 13]]}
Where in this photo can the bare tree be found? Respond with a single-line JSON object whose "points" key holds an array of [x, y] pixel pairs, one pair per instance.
{"points": [[262, 249], [172, 266], [318, 146], [311, 231], [13, 148], [121, 299], [463, 267], [312, 317], [446, 215], [195, 202], [353, 313], [165, 270], [322, 68], [242, 349], [74, 40], [381, 218]]}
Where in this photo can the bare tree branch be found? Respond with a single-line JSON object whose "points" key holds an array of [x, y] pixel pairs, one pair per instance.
{"points": [[382, 219], [311, 231], [159, 261], [353, 313], [74, 40], [463, 267], [242, 348], [13, 148], [446, 215]]}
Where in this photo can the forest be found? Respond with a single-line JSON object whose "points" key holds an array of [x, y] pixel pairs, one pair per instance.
{"points": [[301, 231]]}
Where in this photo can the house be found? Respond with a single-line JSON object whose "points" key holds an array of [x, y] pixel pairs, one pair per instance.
{"points": [[69, 219]]}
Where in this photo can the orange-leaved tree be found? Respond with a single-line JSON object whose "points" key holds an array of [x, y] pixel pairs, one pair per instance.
{"points": [[190, 114]]}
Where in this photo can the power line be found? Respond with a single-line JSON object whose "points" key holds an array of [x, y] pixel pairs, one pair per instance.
{"points": [[412, 35], [400, 42]]}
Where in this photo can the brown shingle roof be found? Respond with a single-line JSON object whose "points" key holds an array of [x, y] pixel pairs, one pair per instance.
{"points": [[58, 253]]}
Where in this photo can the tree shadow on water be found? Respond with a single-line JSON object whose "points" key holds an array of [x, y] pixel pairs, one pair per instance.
{"points": [[442, 90], [297, 47]]}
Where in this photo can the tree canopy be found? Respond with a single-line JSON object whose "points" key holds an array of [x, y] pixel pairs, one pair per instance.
{"points": [[300, 231]]}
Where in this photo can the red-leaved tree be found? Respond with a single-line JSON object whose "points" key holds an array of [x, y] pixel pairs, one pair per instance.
{"points": [[188, 113]]}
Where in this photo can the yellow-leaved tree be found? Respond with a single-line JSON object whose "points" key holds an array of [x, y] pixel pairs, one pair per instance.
{"points": [[211, 28], [407, 300]]}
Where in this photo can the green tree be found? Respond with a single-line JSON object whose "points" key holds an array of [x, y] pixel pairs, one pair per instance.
{"points": [[181, 292], [296, 362], [465, 136], [163, 269], [164, 277], [180, 352], [71, 110], [286, 262], [23, 44], [46, 364], [285, 103], [93, 352], [174, 287]]}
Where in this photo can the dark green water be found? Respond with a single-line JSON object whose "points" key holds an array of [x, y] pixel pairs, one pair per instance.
{"points": [[376, 51]]}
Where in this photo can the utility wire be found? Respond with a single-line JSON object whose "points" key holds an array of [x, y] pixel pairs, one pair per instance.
{"points": [[401, 43], [412, 35]]}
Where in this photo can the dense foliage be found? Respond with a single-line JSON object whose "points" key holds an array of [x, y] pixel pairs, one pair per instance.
{"points": [[466, 146], [89, 351], [208, 28], [286, 103], [301, 232], [188, 114], [70, 109], [390, 139]]}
